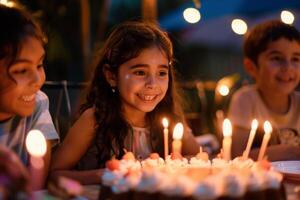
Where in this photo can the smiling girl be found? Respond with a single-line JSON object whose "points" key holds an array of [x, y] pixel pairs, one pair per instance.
{"points": [[23, 106], [133, 88]]}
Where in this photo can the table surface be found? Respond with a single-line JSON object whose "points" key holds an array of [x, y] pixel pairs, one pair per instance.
{"points": [[91, 192]]}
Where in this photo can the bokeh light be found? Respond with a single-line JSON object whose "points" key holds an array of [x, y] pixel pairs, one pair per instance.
{"points": [[7, 3], [224, 90], [191, 15], [287, 17], [239, 26]]}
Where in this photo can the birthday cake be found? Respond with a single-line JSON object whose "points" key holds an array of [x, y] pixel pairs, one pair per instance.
{"points": [[195, 179]]}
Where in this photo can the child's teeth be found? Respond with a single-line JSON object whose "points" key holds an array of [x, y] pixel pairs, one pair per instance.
{"points": [[147, 97], [28, 98]]}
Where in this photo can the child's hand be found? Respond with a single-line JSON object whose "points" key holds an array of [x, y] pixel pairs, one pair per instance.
{"points": [[12, 169]]}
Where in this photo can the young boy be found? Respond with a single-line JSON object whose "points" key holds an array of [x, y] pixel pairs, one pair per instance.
{"points": [[272, 59], [23, 107]]}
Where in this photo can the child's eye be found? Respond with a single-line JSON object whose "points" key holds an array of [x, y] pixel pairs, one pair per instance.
{"points": [[295, 59], [21, 71], [40, 66], [276, 58], [163, 73], [139, 73]]}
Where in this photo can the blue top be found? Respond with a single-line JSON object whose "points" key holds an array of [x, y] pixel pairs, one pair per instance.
{"points": [[13, 132]]}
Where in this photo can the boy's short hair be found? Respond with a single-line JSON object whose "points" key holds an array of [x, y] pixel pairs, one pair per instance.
{"points": [[258, 39]]}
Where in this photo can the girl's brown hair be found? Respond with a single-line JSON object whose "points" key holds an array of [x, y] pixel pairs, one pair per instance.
{"points": [[126, 42]]}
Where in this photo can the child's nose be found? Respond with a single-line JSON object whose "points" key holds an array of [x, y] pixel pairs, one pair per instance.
{"points": [[36, 79], [151, 81]]}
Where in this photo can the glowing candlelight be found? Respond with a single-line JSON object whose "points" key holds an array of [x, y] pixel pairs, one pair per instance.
{"points": [[165, 123], [268, 130], [177, 136], [36, 146], [227, 133], [254, 126]]}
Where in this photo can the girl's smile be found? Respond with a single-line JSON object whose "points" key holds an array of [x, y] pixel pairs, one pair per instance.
{"points": [[142, 82], [28, 98], [146, 97], [26, 78]]}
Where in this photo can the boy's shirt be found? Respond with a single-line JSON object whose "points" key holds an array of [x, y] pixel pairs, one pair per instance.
{"points": [[246, 104], [13, 132]]}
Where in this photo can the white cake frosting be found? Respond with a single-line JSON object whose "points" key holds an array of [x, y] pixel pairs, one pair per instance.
{"points": [[255, 181], [209, 189], [241, 163], [176, 163], [127, 182], [110, 178], [150, 181], [234, 184], [196, 178], [130, 164], [149, 162], [273, 179], [194, 162]]}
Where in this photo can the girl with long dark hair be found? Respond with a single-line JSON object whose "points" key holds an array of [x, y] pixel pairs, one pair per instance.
{"points": [[133, 88]]}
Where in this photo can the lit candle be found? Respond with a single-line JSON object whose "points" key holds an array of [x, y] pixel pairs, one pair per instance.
{"points": [[268, 130], [227, 133], [177, 136], [200, 149], [36, 146], [254, 126], [166, 136]]}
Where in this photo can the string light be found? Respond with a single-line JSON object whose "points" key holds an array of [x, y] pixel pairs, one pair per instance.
{"points": [[191, 15], [287, 17], [239, 26], [7, 3]]}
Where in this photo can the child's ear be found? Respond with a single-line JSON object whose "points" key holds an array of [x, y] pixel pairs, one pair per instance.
{"points": [[251, 68], [109, 75]]}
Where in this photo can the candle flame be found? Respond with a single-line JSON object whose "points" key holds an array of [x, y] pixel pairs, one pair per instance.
{"points": [[227, 128], [267, 127], [165, 122], [36, 143], [178, 131], [224, 90], [254, 124]]}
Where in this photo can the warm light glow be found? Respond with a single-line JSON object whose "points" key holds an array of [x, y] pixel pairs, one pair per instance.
{"points": [[254, 124], [36, 143], [165, 122], [191, 15], [4, 2], [227, 128], [224, 90], [178, 131], [37, 163], [7, 3], [287, 17], [239, 26], [267, 127]]}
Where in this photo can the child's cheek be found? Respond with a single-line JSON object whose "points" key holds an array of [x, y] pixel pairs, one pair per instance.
{"points": [[127, 76]]}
